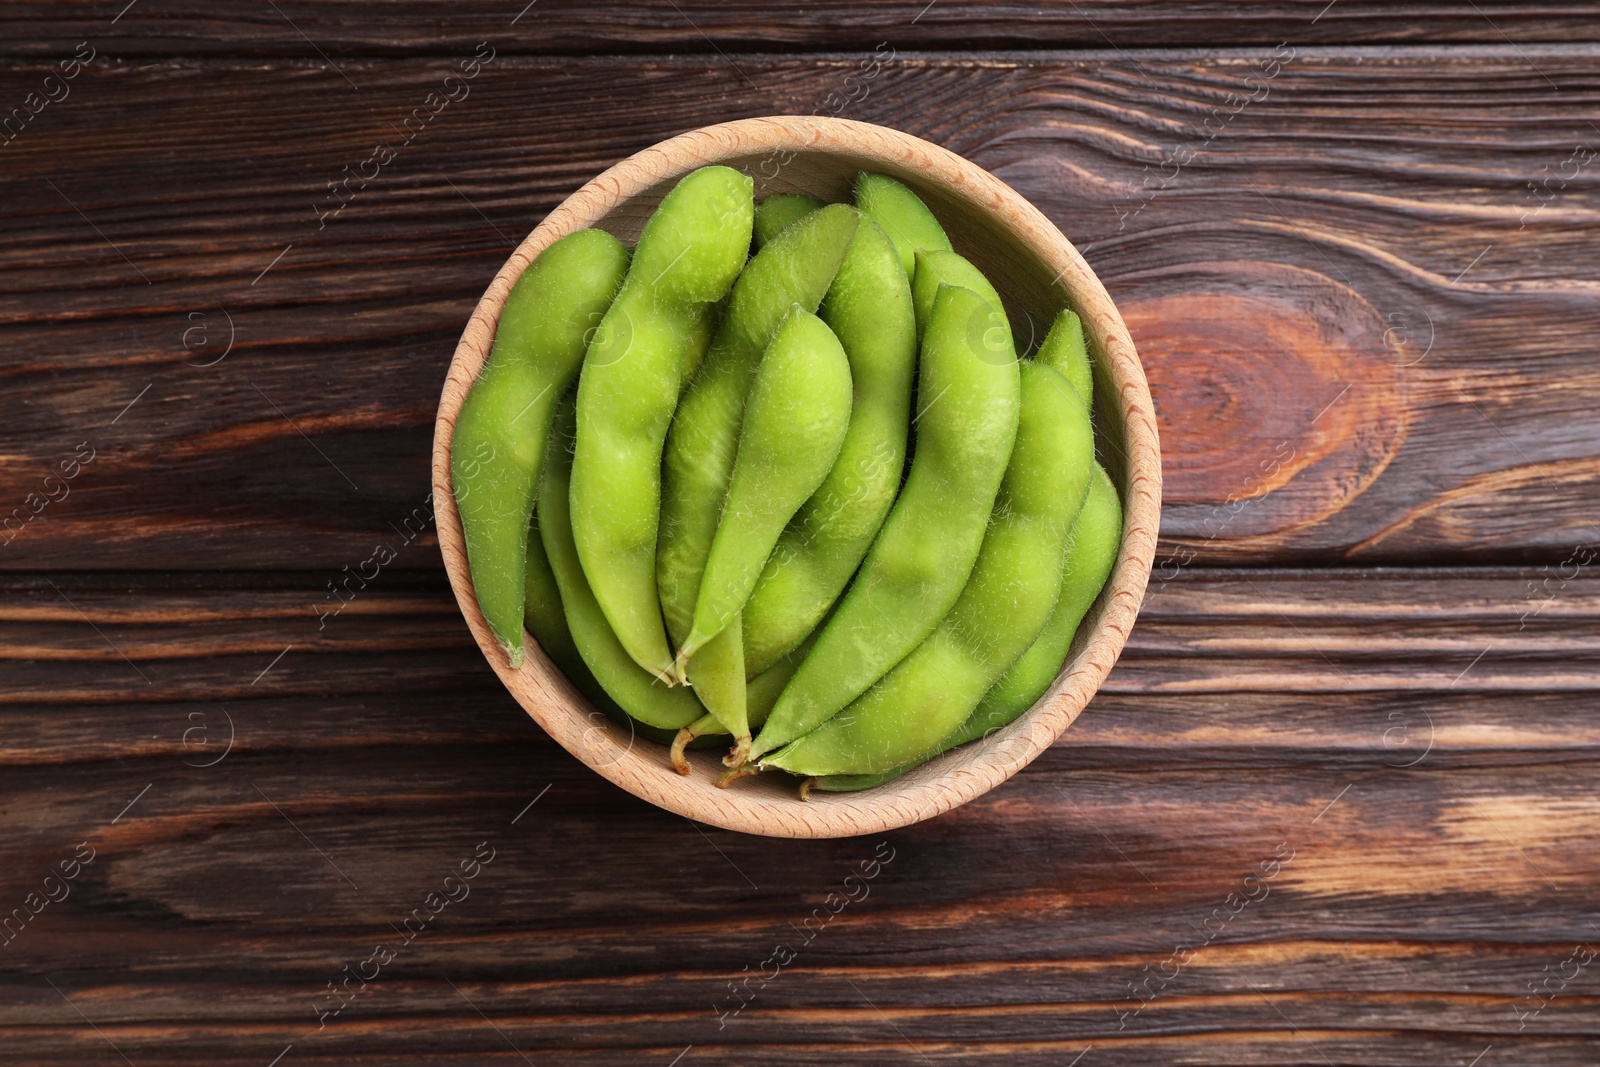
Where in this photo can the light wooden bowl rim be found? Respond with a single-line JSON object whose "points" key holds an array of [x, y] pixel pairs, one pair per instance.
{"points": [[641, 766]]}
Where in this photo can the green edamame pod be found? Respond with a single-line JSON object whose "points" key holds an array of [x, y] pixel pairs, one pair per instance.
{"points": [[947, 268], [1092, 548], [854, 783], [718, 678], [921, 559], [795, 268], [698, 239], [903, 215], [546, 620], [500, 433], [794, 424], [761, 692], [635, 689], [775, 213], [705, 327], [869, 310], [688, 255], [1091, 552], [543, 614], [1004, 606], [1066, 350]]}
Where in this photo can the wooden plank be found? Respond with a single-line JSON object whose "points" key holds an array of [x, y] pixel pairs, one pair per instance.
{"points": [[363, 27], [1366, 336], [1429, 848]]}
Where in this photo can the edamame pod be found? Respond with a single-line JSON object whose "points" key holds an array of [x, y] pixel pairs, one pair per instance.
{"points": [[903, 215], [947, 268], [705, 327], [689, 253], [1092, 548], [795, 268], [1004, 606], [543, 614], [635, 689], [546, 620], [869, 310], [1091, 552], [718, 678], [793, 426], [970, 393], [760, 693], [696, 242], [500, 433], [775, 213], [1066, 350]]}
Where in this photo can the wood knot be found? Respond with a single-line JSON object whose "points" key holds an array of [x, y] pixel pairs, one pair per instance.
{"points": [[1278, 395]]}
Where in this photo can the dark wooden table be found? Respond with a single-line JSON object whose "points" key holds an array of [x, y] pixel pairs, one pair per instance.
{"points": [[1336, 805]]}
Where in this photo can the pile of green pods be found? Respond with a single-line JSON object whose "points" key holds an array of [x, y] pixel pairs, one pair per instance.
{"points": [[779, 479]]}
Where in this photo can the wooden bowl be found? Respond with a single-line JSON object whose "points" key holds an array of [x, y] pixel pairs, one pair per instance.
{"points": [[1033, 266]]}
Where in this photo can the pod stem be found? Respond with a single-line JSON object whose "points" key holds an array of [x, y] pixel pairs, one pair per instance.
{"points": [[739, 755], [680, 762], [727, 778], [705, 724], [805, 788]]}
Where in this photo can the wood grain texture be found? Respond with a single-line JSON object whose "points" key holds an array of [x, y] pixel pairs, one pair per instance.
{"points": [[1440, 832], [1366, 336], [409, 27], [1421, 736]]}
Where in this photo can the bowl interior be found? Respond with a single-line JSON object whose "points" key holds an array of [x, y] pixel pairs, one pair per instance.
{"points": [[1036, 271]]}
